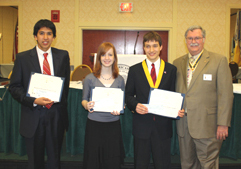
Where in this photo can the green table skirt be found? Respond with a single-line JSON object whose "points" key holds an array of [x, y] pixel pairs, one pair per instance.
{"points": [[12, 141]]}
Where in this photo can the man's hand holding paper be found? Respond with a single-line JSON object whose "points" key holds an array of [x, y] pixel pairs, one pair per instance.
{"points": [[42, 101], [141, 108]]}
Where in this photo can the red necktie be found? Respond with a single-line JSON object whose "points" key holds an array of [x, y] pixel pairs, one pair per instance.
{"points": [[153, 73], [46, 70], [46, 67]]}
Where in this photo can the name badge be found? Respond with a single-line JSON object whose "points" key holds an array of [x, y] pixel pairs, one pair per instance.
{"points": [[207, 77]]}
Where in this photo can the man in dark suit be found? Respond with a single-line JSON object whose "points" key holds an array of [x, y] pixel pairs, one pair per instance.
{"points": [[41, 127], [151, 133]]}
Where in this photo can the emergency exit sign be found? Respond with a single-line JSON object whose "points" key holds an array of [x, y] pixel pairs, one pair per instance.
{"points": [[126, 7]]}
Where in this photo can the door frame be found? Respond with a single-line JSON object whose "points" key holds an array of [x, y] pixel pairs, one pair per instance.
{"points": [[170, 27], [20, 18], [78, 60], [228, 22]]}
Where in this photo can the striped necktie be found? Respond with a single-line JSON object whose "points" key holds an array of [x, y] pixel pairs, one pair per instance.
{"points": [[153, 73], [46, 70], [46, 67]]}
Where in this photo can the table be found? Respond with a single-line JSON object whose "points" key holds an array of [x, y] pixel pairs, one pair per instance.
{"points": [[12, 141]]}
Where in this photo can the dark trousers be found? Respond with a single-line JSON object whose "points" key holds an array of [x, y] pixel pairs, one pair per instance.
{"points": [[103, 145], [160, 149], [49, 136]]}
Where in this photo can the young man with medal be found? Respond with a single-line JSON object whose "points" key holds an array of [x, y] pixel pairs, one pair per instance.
{"points": [[152, 133], [205, 78]]}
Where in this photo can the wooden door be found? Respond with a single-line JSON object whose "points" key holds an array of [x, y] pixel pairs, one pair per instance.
{"points": [[123, 40]]}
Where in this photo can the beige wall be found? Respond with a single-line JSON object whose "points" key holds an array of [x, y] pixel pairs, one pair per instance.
{"points": [[146, 11], [33, 10], [172, 15]]}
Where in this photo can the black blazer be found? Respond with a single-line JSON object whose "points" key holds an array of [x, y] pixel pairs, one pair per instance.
{"points": [[137, 85], [25, 63]]}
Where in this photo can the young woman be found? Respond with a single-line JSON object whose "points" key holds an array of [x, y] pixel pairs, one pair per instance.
{"points": [[103, 139]]}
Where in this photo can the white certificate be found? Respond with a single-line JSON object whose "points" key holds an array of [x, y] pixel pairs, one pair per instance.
{"points": [[42, 85], [165, 103], [108, 99]]}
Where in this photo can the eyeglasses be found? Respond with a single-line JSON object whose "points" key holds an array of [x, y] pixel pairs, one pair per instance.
{"points": [[190, 39]]}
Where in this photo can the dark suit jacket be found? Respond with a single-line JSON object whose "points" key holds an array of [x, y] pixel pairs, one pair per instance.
{"points": [[25, 63], [137, 85]]}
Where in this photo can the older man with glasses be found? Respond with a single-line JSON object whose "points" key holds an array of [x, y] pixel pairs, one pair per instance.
{"points": [[205, 78]]}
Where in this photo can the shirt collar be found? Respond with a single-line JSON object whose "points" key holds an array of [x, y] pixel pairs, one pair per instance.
{"points": [[41, 52], [195, 56], [156, 63]]}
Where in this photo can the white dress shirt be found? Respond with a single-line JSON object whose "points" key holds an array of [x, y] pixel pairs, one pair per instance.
{"points": [[157, 66], [49, 58]]}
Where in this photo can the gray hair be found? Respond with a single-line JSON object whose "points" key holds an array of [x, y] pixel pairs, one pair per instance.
{"points": [[191, 28]]}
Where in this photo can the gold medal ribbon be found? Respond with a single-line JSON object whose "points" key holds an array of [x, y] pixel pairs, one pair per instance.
{"points": [[148, 76], [196, 62]]}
